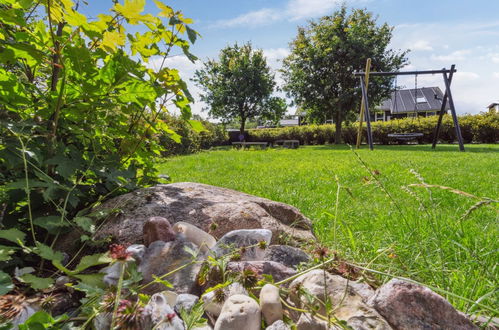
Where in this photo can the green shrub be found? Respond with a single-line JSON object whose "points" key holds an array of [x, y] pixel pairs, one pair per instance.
{"points": [[191, 140], [481, 128]]}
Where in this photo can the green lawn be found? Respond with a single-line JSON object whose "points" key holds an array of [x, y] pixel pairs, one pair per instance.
{"points": [[378, 221]]}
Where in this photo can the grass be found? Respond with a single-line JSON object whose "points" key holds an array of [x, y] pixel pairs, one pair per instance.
{"points": [[362, 205]]}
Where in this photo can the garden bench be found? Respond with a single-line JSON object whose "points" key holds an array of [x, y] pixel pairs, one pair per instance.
{"points": [[293, 144], [263, 145]]}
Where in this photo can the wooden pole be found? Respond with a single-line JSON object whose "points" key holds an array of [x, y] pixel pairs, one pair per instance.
{"points": [[442, 112], [366, 113], [361, 117]]}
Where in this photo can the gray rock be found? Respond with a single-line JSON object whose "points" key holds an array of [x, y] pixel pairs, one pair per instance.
{"points": [[270, 304], [137, 251], [159, 315], [243, 238], [195, 235], [185, 301], [206, 207], [163, 257], [214, 307], [239, 312], [25, 311], [363, 289], [278, 271], [157, 229], [286, 255], [278, 325], [61, 281], [111, 274], [102, 321], [347, 303], [308, 322], [411, 306]]}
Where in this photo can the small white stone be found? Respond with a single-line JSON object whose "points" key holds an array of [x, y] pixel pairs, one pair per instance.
{"points": [[239, 312], [159, 315], [195, 235], [270, 304], [171, 297], [213, 307]]}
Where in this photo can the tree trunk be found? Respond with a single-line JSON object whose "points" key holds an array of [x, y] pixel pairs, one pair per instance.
{"points": [[337, 121], [241, 128]]}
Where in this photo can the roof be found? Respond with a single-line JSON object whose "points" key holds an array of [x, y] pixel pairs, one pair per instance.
{"points": [[493, 104], [402, 101]]}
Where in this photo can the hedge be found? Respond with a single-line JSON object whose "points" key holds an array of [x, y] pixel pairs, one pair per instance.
{"points": [[482, 128], [192, 141]]}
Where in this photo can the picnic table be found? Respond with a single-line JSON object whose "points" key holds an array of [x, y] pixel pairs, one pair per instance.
{"points": [[293, 144], [263, 145]]}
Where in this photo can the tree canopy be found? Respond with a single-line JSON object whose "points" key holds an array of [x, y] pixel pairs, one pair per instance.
{"points": [[319, 71], [239, 85]]}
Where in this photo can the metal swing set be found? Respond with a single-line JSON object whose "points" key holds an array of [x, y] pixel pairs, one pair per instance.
{"points": [[364, 109]]}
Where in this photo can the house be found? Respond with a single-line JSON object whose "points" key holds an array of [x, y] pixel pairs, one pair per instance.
{"points": [[292, 120], [494, 106], [424, 102]]}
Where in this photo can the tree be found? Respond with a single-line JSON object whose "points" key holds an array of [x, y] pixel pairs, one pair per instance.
{"points": [[239, 86], [79, 110], [319, 71]]}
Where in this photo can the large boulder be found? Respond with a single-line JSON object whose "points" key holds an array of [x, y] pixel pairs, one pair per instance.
{"points": [[411, 306], [213, 209]]}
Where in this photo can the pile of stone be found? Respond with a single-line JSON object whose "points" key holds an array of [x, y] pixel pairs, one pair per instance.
{"points": [[177, 219]]}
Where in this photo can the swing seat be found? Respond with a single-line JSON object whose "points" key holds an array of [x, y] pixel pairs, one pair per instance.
{"points": [[405, 136]]}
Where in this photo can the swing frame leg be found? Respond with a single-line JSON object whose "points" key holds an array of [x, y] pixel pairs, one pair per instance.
{"points": [[366, 113]]}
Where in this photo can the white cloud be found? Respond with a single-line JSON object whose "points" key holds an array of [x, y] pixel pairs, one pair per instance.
{"points": [[300, 9], [456, 56], [467, 75], [260, 17], [494, 57], [275, 56], [495, 75], [292, 11], [420, 45]]}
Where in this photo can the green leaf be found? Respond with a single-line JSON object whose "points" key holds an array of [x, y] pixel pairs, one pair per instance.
{"points": [[13, 235], [192, 34], [50, 223], [37, 283], [75, 18], [197, 126], [85, 223], [5, 283], [47, 253], [93, 280], [92, 260], [6, 252], [162, 281], [113, 39], [131, 10]]}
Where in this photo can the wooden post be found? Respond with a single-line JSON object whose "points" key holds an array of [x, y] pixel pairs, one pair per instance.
{"points": [[453, 112], [442, 111], [361, 117], [367, 115]]}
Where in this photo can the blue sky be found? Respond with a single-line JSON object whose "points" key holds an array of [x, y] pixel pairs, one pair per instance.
{"points": [[438, 32]]}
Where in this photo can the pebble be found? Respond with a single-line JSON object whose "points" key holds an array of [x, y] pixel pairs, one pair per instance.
{"points": [[270, 304], [239, 312], [157, 229]]}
